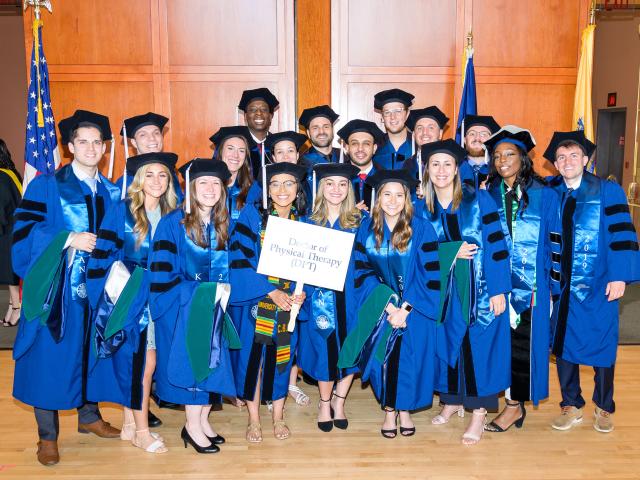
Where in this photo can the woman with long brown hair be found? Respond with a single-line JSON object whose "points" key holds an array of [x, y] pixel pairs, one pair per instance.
{"points": [[473, 337], [189, 293], [124, 241], [396, 262]]}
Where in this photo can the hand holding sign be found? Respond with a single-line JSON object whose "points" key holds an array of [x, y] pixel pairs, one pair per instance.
{"points": [[305, 253]]}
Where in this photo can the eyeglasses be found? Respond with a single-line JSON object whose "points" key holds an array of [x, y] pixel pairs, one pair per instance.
{"points": [[392, 113], [480, 135], [288, 185]]}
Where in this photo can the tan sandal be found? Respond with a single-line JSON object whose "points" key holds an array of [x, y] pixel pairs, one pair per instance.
{"points": [[157, 446], [280, 430], [254, 433], [128, 434]]}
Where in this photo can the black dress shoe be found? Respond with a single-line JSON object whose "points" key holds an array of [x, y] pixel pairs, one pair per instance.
{"points": [[172, 406], [153, 420], [186, 438], [217, 440]]}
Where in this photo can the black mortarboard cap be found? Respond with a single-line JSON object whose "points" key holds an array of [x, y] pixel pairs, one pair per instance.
{"points": [[512, 134], [309, 114], [133, 124], [354, 126], [265, 94], [576, 137], [484, 120], [206, 167], [346, 170], [227, 132], [449, 146], [165, 158], [381, 177], [298, 139], [393, 95], [298, 171], [430, 112], [84, 118]]}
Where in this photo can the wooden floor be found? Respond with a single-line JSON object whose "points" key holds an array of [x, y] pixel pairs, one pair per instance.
{"points": [[535, 452]]}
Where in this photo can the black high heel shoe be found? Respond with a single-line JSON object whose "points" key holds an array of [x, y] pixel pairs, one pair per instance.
{"points": [[217, 440], [327, 425], [186, 438], [341, 423], [407, 431], [390, 433], [495, 428]]}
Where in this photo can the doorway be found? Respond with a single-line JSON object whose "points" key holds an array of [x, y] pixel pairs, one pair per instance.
{"points": [[610, 140]]}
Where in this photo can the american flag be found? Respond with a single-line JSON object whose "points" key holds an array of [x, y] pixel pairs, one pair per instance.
{"points": [[41, 143]]}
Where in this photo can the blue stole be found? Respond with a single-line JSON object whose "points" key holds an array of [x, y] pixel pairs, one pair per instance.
{"points": [[390, 264], [469, 221], [586, 231], [134, 256], [523, 245], [205, 264], [232, 196]]}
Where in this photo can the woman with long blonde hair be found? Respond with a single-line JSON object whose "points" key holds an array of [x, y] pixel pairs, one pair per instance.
{"points": [[396, 267], [330, 313], [471, 368], [125, 239], [189, 294]]}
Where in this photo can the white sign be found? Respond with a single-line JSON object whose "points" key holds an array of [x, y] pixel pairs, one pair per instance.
{"points": [[305, 253]]}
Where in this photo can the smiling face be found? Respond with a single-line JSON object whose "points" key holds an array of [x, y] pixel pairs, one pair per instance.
{"points": [[394, 116], [87, 146], [361, 148], [508, 161], [156, 180], [426, 131], [234, 153], [335, 189], [258, 116], [147, 139], [285, 151], [320, 132], [442, 170], [283, 189], [474, 138], [570, 162], [392, 197], [208, 190]]}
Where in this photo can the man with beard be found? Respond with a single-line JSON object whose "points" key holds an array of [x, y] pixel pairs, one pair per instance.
{"points": [[361, 138], [258, 106], [427, 125], [318, 122], [476, 129], [393, 105]]}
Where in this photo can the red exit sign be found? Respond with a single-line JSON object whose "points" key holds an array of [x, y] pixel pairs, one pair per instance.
{"points": [[612, 99], [614, 4]]}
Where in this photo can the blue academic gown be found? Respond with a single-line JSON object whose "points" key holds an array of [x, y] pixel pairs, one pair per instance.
{"points": [[594, 243], [530, 254], [178, 266], [391, 159], [176, 185], [478, 353], [331, 317], [314, 157], [363, 190], [51, 375], [249, 288], [472, 176], [406, 380], [123, 356]]}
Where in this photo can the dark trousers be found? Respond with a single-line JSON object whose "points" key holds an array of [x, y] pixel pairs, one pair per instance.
{"points": [[569, 376], [49, 425]]}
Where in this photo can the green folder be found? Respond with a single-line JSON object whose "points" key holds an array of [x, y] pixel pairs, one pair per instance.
{"points": [[447, 255]]}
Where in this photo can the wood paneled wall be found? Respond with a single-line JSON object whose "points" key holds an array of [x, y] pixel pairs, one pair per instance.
{"points": [[526, 56], [186, 59]]}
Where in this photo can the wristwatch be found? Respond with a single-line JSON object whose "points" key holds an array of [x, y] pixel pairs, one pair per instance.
{"points": [[407, 307]]}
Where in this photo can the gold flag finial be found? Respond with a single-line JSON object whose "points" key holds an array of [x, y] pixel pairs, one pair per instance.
{"points": [[470, 39], [36, 4], [592, 13]]}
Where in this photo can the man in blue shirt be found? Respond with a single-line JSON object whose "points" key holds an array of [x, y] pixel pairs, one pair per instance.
{"points": [[476, 129], [318, 122], [393, 105]]}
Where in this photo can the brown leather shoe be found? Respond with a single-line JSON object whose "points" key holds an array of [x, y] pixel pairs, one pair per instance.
{"points": [[100, 428], [48, 452]]}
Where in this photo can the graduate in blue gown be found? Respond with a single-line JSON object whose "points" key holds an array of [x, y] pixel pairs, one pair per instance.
{"points": [[527, 209], [318, 123], [396, 249], [395, 149], [128, 353], [595, 254], [474, 169], [189, 294], [258, 105], [330, 313], [260, 305], [361, 139], [474, 339], [232, 147], [53, 235], [427, 125], [145, 133]]}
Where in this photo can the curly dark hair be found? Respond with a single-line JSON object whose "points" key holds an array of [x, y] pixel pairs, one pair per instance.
{"points": [[524, 178]]}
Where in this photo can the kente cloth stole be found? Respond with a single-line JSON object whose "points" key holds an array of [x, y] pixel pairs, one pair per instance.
{"points": [[269, 316]]}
